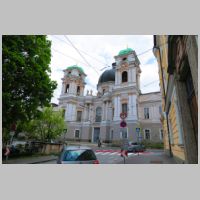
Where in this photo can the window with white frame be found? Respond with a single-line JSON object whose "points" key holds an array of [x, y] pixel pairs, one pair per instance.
{"points": [[79, 115], [78, 91], [124, 108], [124, 76], [124, 133], [77, 134], [98, 114], [146, 113], [67, 88], [147, 134]]}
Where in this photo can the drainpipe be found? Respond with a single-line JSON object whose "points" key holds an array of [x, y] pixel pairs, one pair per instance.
{"points": [[170, 149]]}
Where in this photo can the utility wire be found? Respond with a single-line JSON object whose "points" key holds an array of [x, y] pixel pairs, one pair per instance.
{"points": [[142, 53], [81, 51], [69, 56], [80, 54]]}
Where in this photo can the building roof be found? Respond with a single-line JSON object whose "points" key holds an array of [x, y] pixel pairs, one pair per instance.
{"points": [[108, 75], [80, 69], [125, 51]]}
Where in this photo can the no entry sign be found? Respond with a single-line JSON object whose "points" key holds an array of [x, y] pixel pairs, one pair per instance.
{"points": [[123, 124]]}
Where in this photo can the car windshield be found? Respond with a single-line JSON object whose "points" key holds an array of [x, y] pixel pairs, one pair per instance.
{"points": [[79, 155]]}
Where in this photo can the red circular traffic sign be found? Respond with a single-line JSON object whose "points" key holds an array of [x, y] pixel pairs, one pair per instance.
{"points": [[123, 115], [123, 124]]}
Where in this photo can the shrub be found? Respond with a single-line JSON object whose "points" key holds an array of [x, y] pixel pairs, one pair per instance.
{"points": [[153, 145]]}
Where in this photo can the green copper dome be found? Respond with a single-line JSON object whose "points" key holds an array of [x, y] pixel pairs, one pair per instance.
{"points": [[76, 67], [125, 51]]}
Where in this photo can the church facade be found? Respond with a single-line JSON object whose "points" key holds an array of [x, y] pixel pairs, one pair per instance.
{"points": [[90, 117]]}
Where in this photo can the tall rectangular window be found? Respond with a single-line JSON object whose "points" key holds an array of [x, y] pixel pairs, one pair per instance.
{"points": [[124, 108], [78, 117], [77, 133], [67, 88], [124, 133], [146, 113], [147, 134]]}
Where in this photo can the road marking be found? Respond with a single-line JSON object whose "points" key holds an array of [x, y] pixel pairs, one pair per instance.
{"points": [[99, 153], [106, 153], [115, 153]]}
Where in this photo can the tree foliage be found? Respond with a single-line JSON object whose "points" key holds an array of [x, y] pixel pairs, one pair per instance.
{"points": [[48, 126], [25, 75]]}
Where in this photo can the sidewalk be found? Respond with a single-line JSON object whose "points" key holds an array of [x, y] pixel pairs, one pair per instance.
{"points": [[30, 160], [158, 158]]}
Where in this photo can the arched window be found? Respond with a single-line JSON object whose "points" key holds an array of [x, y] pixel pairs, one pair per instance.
{"points": [[98, 114], [78, 90], [124, 76], [67, 88]]}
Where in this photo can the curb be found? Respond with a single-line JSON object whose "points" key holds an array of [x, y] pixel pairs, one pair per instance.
{"points": [[43, 161]]}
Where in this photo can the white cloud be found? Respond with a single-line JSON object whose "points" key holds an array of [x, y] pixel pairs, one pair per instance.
{"points": [[102, 49]]}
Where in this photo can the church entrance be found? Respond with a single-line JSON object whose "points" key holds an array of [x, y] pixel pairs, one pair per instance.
{"points": [[96, 135]]}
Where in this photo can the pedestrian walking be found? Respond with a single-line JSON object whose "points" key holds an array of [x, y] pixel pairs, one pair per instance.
{"points": [[99, 142], [7, 152]]}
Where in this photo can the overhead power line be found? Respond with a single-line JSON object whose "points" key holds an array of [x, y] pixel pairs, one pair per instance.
{"points": [[81, 54], [69, 56], [81, 51]]}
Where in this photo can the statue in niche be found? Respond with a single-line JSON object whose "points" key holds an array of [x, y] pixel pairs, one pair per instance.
{"points": [[87, 92], [91, 92]]}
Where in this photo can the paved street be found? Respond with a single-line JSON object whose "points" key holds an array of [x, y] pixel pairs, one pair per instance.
{"points": [[113, 156]]}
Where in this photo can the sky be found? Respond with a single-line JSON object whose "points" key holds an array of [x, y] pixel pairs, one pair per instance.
{"points": [[97, 55]]}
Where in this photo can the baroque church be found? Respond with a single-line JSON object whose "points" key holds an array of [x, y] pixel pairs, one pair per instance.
{"points": [[92, 117]]}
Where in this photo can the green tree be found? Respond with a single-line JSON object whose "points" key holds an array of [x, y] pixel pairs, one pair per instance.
{"points": [[48, 126], [26, 77]]}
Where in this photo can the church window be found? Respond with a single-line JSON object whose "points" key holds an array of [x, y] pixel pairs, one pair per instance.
{"points": [[146, 113], [124, 108], [124, 76], [78, 117], [124, 58], [78, 90], [98, 114], [67, 88]]}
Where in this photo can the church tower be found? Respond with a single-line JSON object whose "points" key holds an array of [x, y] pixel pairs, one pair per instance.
{"points": [[127, 84], [73, 81], [73, 85]]}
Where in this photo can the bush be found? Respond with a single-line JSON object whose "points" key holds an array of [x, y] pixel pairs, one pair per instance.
{"points": [[116, 143], [153, 145]]}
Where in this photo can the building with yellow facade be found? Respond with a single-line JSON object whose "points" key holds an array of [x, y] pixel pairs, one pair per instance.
{"points": [[177, 58]]}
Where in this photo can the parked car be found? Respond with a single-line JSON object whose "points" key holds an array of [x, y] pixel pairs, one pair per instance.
{"points": [[77, 155], [136, 147]]}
